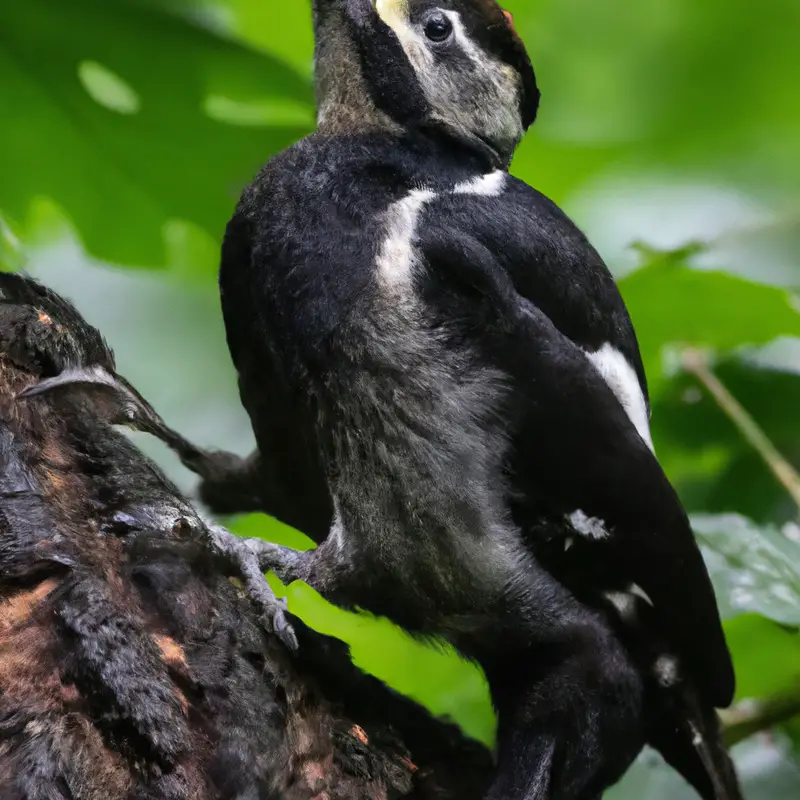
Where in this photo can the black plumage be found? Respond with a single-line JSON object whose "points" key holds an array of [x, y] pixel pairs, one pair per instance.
{"points": [[550, 470], [434, 357]]}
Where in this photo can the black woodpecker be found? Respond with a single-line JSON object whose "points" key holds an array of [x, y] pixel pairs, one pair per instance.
{"points": [[447, 394], [448, 386]]}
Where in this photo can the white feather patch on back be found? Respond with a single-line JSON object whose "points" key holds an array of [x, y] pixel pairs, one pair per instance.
{"points": [[396, 257], [489, 185], [590, 527], [624, 603], [622, 379], [666, 670]]}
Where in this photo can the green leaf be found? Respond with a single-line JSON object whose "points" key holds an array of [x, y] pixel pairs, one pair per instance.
{"points": [[10, 249], [677, 305], [280, 29], [118, 113], [713, 468], [754, 569], [434, 676], [765, 771], [662, 88], [766, 656], [260, 526]]}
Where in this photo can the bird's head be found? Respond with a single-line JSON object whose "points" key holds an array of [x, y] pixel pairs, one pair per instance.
{"points": [[455, 65]]}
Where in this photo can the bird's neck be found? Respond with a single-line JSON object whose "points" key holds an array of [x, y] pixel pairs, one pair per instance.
{"points": [[458, 147], [344, 102]]}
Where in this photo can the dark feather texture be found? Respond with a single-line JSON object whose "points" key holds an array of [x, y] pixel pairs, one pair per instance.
{"points": [[447, 392]]}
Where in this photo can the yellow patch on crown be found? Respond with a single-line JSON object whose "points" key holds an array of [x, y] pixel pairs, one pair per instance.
{"points": [[397, 15], [392, 11]]}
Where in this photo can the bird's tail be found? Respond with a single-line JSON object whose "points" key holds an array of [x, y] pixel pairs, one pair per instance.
{"points": [[680, 724], [689, 737]]}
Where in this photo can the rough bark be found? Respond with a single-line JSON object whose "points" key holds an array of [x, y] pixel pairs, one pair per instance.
{"points": [[130, 665]]}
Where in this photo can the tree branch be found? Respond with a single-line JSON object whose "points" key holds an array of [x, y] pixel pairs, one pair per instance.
{"points": [[696, 364], [751, 717], [129, 664]]}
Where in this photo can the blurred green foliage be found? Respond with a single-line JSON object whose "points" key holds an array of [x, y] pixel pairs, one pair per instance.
{"points": [[130, 127]]}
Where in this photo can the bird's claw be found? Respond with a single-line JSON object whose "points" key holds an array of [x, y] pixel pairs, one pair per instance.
{"points": [[238, 553], [283, 629], [273, 609]]}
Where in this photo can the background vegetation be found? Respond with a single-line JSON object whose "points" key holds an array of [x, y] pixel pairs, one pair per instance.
{"points": [[129, 128]]}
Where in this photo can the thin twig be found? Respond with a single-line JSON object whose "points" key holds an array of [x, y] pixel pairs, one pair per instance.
{"points": [[696, 363], [748, 718]]}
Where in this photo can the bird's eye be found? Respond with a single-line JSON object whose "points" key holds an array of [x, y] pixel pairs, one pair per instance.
{"points": [[438, 28]]}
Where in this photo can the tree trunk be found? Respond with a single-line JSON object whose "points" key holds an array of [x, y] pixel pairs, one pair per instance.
{"points": [[130, 664]]}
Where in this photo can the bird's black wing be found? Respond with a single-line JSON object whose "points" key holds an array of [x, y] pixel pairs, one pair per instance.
{"points": [[553, 264], [287, 463], [580, 450]]}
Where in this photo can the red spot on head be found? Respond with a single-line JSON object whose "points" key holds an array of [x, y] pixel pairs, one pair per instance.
{"points": [[510, 17]]}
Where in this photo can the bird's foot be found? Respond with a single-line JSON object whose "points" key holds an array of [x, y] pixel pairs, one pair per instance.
{"points": [[289, 565], [250, 559]]}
